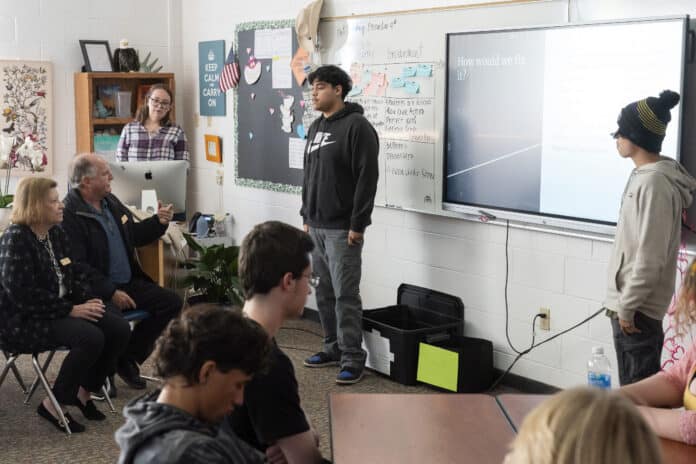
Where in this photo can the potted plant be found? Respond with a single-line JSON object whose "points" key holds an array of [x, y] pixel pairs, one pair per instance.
{"points": [[6, 150], [214, 274]]}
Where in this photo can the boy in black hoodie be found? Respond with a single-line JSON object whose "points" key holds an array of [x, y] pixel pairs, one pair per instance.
{"points": [[340, 182]]}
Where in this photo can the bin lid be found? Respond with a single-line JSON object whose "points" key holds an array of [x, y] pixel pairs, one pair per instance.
{"points": [[430, 300]]}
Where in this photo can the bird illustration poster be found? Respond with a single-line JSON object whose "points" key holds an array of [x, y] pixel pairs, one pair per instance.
{"points": [[26, 123]]}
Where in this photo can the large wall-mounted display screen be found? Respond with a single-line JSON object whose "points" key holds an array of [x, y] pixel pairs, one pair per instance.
{"points": [[530, 111]]}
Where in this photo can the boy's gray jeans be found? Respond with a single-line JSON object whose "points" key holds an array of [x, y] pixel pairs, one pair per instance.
{"points": [[338, 266]]}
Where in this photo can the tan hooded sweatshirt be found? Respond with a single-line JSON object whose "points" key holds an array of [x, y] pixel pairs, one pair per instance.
{"points": [[642, 268]]}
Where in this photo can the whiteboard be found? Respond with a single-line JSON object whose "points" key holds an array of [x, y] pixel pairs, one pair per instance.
{"points": [[388, 57]]}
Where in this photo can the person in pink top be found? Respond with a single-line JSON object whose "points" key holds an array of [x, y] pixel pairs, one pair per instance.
{"points": [[661, 397]]}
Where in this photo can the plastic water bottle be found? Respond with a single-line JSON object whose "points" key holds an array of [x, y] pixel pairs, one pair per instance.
{"points": [[598, 369]]}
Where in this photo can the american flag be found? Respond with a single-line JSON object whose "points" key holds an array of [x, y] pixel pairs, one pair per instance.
{"points": [[230, 72]]}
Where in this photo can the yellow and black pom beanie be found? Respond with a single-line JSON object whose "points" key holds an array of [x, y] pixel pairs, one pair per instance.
{"points": [[644, 122]]}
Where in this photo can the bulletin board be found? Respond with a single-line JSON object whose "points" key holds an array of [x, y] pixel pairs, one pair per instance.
{"points": [[270, 107], [396, 61]]}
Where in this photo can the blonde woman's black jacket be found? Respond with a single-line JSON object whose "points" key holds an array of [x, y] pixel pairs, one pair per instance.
{"points": [[29, 288], [90, 247]]}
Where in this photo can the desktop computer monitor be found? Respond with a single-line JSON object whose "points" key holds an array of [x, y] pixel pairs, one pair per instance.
{"points": [[166, 178]]}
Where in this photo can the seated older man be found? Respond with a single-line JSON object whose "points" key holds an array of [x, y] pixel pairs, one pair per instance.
{"points": [[103, 235]]}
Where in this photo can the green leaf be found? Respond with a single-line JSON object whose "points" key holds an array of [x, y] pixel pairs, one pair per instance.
{"points": [[215, 273], [190, 241], [6, 200]]}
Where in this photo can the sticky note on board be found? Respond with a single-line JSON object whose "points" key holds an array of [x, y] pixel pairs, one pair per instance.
{"points": [[438, 366], [408, 71], [424, 70]]}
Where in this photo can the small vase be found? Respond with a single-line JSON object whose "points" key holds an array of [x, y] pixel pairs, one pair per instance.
{"points": [[5, 214]]}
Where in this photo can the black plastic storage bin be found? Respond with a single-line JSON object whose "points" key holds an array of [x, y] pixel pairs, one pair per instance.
{"points": [[420, 315], [475, 362]]}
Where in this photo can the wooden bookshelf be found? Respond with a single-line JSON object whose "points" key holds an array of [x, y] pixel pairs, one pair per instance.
{"points": [[86, 85]]}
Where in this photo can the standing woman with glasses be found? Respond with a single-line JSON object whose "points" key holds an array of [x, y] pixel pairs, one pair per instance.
{"points": [[45, 303], [153, 136]]}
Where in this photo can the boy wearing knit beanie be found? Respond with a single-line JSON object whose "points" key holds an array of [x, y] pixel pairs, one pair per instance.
{"points": [[642, 268]]}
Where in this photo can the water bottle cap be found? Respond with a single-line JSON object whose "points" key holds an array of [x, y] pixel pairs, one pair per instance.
{"points": [[597, 350]]}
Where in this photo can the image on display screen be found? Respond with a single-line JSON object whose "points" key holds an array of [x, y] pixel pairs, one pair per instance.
{"points": [[530, 112]]}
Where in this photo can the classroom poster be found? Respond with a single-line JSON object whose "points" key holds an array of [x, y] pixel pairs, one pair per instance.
{"points": [[211, 58]]}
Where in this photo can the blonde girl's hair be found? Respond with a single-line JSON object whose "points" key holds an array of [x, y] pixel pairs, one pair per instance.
{"points": [[28, 203], [585, 426], [685, 305]]}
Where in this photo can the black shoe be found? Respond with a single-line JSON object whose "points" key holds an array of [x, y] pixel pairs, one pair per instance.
{"points": [[89, 410], [75, 427], [129, 373]]}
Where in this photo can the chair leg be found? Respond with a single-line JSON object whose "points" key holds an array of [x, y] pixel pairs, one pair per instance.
{"points": [[19, 378], [9, 364], [49, 392], [35, 383], [107, 398]]}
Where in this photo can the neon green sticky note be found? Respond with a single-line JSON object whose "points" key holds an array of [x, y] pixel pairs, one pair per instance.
{"points": [[438, 366]]}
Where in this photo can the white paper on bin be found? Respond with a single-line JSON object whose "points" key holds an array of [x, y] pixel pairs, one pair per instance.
{"points": [[379, 353]]}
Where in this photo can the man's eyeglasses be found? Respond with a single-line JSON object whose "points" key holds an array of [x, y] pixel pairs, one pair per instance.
{"points": [[313, 280], [160, 103]]}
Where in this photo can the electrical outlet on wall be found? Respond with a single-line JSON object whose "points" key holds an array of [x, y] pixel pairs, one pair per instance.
{"points": [[545, 323], [219, 176]]}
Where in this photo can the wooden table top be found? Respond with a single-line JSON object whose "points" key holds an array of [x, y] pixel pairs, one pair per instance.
{"points": [[417, 428], [517, 406]]}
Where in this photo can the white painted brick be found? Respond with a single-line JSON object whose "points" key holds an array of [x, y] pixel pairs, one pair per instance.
{"points": [[382, 270], [104, 9], [537, 269], [484, 259], [476, 292], [375, 239], [376, 296], [8, 29], [521, 337], [455, 227], [388, 216], [25, 8], [520, 238], [566, 311], [601, 251], [533, 370], [600, 330], [586, 279], [560, 244], [576, 351], [483, 325]]}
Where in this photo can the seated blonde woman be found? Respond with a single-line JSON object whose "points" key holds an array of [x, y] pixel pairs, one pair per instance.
{"points": [[45, 303], [659, 395], [585, 426]]}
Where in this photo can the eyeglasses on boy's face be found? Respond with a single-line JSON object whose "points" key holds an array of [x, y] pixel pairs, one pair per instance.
{"points": [[160, 103], [313, 279]]}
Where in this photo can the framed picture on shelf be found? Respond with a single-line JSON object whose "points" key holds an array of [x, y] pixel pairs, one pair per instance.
{"points": [[97, 55], [213, 151]]}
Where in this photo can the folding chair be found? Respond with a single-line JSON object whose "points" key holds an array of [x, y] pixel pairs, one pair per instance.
{"points": [[41, 377], [10, 366], [133, 317]]}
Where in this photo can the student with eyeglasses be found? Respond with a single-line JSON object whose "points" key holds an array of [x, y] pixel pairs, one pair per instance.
{"points": [[276, 275], [153, 136]]}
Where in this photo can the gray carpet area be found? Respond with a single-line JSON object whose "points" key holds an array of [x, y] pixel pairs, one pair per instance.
{"points": [[26, 438]]}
